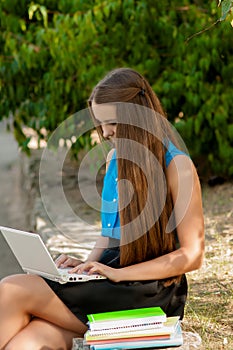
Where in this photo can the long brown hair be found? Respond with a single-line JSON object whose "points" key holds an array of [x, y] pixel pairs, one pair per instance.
{"points": [[142, 131]]}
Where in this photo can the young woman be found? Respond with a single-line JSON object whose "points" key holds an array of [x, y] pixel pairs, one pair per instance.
{"points": [[152, 227]]}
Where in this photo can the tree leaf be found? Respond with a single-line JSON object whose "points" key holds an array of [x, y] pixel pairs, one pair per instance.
{"points": [[32, 9], [226, 7], [44, 15]]}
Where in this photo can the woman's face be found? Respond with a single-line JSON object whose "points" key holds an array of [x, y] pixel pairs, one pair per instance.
{"points": [[105, 114]]}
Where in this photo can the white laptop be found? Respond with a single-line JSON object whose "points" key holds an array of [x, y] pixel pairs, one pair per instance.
{"points": [[34, 257]]}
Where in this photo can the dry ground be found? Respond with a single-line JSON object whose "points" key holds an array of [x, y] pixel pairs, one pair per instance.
{"points": [[210, 304]]}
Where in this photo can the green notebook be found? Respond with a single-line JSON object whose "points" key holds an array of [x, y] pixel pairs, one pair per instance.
{"points": [[156, 312]]}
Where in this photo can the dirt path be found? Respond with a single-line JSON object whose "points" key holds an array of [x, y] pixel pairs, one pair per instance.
{"points": [[13, 199]]}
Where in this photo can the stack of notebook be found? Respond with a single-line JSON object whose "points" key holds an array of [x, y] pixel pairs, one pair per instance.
{"points": [[133, 329]]}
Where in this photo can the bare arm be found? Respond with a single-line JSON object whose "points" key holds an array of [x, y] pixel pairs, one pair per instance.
{"points": [[101, 244], [185, 188], [64, 260]]}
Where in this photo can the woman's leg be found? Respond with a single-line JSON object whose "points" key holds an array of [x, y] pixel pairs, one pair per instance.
{"points": [[40, 334], [23, 296]]}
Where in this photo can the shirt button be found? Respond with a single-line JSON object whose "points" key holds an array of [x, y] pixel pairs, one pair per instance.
{"points": [[116, 179], [114, 200], [109, 225]]}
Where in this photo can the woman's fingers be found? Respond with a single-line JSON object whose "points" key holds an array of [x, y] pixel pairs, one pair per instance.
{"points": [[79, 268], [93, 267], [89, 267], [61, 259], [66, 261]]}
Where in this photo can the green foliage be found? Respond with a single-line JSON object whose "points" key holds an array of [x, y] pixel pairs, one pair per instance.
{"points": [[54, 52]]}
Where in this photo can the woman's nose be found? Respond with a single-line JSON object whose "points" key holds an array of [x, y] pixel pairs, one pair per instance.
{"points": [[107, 131]]}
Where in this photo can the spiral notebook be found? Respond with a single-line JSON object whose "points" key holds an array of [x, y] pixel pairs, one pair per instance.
{"points": [[174, 340], [141, 330]]}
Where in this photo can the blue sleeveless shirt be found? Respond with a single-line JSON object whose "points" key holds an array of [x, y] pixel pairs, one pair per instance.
{"points": [[109, 208]]}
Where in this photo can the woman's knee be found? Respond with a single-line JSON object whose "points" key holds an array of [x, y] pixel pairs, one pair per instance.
{"points": [[14, 288], [28, 344], [7, 289], [41, 334]]}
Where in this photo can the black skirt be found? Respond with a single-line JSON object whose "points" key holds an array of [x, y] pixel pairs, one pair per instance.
{"points": [[104, 295]]}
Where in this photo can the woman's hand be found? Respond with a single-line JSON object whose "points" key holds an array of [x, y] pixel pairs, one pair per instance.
{"points": [[92, 267], [64, 261]]}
